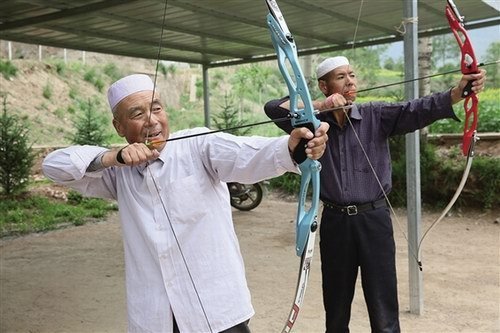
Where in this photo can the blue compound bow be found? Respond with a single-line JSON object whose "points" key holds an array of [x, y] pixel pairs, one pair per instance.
{"points": [[307, 219]]}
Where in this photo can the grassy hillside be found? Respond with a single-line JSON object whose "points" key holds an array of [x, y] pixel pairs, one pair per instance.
{"points": [[48, 94]]}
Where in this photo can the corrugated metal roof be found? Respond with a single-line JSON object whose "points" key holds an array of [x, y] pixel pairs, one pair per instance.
{"points": [[218, 32]]}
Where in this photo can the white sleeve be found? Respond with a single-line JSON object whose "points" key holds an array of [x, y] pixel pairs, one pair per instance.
{"points": [[248, 159], [68, 167]]}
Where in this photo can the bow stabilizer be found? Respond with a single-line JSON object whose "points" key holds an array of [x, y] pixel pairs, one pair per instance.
{"points": [[307, 219]]}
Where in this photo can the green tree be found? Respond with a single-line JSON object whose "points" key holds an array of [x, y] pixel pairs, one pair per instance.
{"points": [[16, 157], [91, 128], [250, 81], [228, 118], [444, 51], [389, 64], [492, 55], [366, 61]]}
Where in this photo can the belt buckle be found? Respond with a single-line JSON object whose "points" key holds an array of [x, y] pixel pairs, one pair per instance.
{"points": [[352, 210]]}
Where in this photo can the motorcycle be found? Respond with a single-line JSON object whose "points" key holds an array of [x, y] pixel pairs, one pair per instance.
{"points": [[245, 196]]}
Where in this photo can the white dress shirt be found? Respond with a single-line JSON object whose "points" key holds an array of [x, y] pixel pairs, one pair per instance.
{"points": [[181, 250]]}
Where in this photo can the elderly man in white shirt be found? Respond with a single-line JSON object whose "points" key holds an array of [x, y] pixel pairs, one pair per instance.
{"points": [[184, 269]]}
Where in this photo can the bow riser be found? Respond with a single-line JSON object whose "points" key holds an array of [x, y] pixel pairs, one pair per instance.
{"points": [[468, 65], [470, 127], [307, 220], [287, 53], [297, 87]]}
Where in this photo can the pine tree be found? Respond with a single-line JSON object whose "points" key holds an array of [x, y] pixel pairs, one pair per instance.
{"points": [[228, 118], [90, 126], [16, 156]]}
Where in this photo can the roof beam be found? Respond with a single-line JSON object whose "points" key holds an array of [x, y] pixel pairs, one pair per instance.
{"points": [[63, 14], [240, 19], [345, 18], [192, 32], [114, 38]]}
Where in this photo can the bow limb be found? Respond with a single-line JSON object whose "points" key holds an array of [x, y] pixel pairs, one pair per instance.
{"points": [[468, 65], [307, 219], [458, 191]]}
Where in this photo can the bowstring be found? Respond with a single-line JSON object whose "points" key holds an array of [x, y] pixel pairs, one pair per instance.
{"points": [[357, 26], [179, 247], [174, 234], [393, 211], [386, 197]]}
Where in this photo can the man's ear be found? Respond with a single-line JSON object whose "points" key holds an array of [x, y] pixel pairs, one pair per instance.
{"points": [[322, 87], [118, 127]]}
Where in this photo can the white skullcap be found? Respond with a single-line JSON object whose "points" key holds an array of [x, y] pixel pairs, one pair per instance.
{"points": [[127, 86], [329, 64]]}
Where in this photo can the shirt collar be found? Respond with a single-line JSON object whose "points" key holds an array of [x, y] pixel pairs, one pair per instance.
{"points": [[355, 112], [142, 167]]}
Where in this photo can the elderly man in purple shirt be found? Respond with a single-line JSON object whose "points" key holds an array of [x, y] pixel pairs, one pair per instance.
{"points": [[356, 228]]}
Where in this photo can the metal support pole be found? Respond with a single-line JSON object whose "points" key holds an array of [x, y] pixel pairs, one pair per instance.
{"points": [[413, 159], [206, 97]]}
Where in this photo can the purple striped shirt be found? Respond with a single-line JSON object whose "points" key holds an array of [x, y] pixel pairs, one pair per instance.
{"points": [[346, 176]]}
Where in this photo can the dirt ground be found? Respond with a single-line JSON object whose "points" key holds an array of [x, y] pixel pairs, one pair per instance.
{"points": [[72, 280]]}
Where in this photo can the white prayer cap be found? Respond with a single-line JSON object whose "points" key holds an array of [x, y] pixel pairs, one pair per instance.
{"points": [[329, 64], [127, 86]]}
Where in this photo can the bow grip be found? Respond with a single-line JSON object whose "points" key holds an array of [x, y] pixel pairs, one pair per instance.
{"points": [[299, 154], [467, 89], [469, 66]]}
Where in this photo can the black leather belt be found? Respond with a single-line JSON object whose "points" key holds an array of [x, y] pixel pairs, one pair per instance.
{"points": [[355, 209]]}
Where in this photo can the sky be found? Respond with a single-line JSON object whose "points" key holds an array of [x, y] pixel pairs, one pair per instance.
{"points": [[493, 3], [480, 39]]}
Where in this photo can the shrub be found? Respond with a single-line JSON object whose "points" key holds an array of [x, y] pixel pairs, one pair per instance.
{"points": [[95, 78], [112, 71], [488, 113], [7, 69], [47, 91], [440, 177], [33, 213]]}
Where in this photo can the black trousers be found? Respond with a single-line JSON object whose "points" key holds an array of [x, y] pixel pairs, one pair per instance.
{"points": [[363, 241], [240, 328]]}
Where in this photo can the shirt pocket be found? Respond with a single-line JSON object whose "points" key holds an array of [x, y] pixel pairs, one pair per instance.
{"points": [[186, 200], [359, 160], [378, 157]]}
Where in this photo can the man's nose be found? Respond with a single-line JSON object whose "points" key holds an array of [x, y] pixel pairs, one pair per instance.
{"points": [[150, 118]]}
